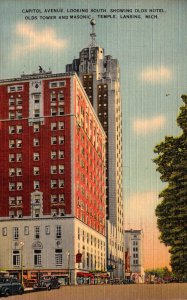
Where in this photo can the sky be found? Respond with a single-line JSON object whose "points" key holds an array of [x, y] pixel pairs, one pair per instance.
{"points": [[148, 37]]}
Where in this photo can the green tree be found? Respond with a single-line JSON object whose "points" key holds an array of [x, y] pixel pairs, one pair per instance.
{"points": [[171, 213]]}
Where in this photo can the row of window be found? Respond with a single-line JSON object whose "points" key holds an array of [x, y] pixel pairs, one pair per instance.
{"points": [[52, 84], [86, 236], [17, 143], [37, 257], [37, 231], [17, 200], [19, 115], [60, 212], [36, 185], [17, 157]]}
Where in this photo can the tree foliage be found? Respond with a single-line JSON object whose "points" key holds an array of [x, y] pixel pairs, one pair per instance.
{"points": [[159, 272], [171, 213]]}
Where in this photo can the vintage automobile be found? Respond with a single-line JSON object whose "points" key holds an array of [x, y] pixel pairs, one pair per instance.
{"points": [[47, 283], [10, 286]]}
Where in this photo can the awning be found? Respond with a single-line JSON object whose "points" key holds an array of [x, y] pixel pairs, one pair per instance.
{"points": [[82, 274]]}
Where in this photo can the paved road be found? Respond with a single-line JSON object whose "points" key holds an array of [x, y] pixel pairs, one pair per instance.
{"points": [[172, 291]]}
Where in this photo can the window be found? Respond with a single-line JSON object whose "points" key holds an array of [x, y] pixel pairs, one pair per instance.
{"points": [[36, 156], [54, 198], [61, 212], [53, 169], [15, 88], [54, 126], [56, 84], [11, 157], [19, 115], [36, 128], [61, 197], [78, 233], [15, 233], [11, 143], [19, 128], [11, 102], [12, 172], [36, 184], [4, 231], [53, 84], [60, 96], [11, 115], [135, 261], [53, 140], [61, 140], [60, 125], [11, 214], [36, 113], [58, 257], [53, 111], [61, 154], [18, 143], [16, 258], [37, 257], [61, 111], [47, 229], [12, 186], [36, 232], [26, 230], [19, 200], [53, 184], [36, 171], [36, 98], [12, 201], [37, 198], [20, 213], [53, 97], [19, 172], [36, 142], [18, 101], [18, 157], [12, 129], [54, 212], [61, 183], [53, 155], [58, 232], [61, 169], [19, 186]]}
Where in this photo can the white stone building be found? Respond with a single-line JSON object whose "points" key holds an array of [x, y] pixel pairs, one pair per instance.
{"points": [[134, 253]]}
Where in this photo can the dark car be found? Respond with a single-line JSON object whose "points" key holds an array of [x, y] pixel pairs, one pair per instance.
{"points": [[47, 283], [10, 286], [128, 281]]}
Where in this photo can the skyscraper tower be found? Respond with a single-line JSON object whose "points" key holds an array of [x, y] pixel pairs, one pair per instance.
{"points": [[100, 76]]}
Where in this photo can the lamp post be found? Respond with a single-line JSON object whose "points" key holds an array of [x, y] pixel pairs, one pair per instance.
{"points": [[21, 247], [68, 259]]}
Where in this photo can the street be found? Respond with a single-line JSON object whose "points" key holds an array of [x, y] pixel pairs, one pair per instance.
{"points": [[173, 291]]}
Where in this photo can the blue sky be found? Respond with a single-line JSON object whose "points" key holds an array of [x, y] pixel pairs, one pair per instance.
{"points": [[152, 57]]}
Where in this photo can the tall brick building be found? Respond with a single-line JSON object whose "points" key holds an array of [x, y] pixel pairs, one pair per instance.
{"points": [[52, 176], [100, 77]]}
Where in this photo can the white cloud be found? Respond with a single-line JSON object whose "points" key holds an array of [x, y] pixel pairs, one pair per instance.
{"points": [[154, 75], [146, 126], [34, 39]]}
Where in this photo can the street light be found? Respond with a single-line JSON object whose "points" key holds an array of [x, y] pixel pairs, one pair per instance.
{"points": [[68, 258], [21, 247]]}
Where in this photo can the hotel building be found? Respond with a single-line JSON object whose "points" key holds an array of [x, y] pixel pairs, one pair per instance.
{"points": [[100, 77], [52, 178]]}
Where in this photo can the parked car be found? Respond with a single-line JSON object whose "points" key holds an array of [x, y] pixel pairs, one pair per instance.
{"points": [[128, 281], [10, 286], [47, 283]]}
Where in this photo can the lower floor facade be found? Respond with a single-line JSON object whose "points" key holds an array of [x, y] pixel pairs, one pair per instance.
{"points": [[63, 247]]}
